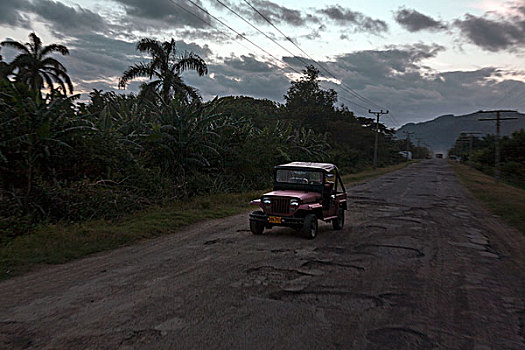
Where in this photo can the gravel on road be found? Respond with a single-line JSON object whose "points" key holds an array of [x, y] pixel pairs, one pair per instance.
{"points": [[419, 265]]}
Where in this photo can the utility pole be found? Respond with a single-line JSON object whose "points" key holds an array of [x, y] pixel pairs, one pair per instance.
{"points": [[471, 141], [408, 133], [418, 144], [498, 120], [377, 133]]}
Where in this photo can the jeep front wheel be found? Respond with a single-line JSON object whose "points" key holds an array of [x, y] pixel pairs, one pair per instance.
{"points": [[310, 226], [338, 223], [257, 227]]}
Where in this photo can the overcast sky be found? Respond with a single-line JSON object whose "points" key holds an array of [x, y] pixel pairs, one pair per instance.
{"points": [[419, 59]]}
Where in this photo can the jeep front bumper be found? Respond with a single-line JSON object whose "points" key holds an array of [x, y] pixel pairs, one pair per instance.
{"points": [[285, 220]]}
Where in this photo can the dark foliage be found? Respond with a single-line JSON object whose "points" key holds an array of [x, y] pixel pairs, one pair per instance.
{"points": [[63, 160], [512, 155]]}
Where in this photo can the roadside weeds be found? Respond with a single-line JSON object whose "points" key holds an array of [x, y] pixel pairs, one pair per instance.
{"points": [[60, 243], [502, 199]]}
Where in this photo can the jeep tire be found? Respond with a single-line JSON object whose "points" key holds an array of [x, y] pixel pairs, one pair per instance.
{"points": [[310, 226], [257, 227], [339, 222]]}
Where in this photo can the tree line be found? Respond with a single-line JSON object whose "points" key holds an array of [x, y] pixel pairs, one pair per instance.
{"points": [[483, 154], [66, 159]]}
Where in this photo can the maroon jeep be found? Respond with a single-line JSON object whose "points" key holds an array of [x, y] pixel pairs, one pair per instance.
{"points": [[302, 194]]}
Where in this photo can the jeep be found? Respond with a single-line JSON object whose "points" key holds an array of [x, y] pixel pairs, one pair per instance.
{"points": [[303, 193]]}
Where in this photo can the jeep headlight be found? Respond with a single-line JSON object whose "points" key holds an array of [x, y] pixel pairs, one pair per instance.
{"points": [[294, 202], [266, 200]]}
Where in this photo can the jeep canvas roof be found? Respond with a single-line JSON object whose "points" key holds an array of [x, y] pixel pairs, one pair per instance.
{"points": [[307, 165]]}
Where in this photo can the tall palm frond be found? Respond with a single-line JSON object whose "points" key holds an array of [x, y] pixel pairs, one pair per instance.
{"points": [[35, 68], [166, 67]]}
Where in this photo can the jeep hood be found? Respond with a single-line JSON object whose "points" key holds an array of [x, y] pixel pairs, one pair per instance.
{"points": [[305, 197]]}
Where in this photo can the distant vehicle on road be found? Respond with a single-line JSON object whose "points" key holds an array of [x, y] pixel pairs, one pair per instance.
{"points": [[439, 155], [303, 193]]}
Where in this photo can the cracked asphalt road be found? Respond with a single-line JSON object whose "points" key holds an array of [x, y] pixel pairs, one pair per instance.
{"points": [[419, 265]]}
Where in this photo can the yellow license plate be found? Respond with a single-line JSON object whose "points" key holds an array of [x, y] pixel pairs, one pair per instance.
{"points": [[275, 220]]}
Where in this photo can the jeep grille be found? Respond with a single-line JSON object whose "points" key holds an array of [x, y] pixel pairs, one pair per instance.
{"points": [[280, 205]]}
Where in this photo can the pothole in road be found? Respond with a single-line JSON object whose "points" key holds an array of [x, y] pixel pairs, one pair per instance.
{"points": [[219, 240], [332, 249], [143, 336], [270, 275], [277, 251], [315, 264], [390, 250], [398, 338], [369, 202], [330, 299], [376, 227], [406, 218], [396, 299]]}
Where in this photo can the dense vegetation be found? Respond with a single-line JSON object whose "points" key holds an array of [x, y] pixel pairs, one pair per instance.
{"points": [[483, 155], [71, 160]]}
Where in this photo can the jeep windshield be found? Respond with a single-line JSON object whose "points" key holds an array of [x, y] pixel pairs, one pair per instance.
{"points": [[302, 177]]}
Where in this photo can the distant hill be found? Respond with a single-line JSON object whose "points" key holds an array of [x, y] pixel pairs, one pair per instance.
{"points": [[441, 133]]}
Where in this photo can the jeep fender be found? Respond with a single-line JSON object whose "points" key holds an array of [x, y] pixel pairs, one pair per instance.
{"points": [[311, 208]]}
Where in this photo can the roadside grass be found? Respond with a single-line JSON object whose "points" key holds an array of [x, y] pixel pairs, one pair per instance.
{"points": [[62, 242], [502, 199], [59, 243]]}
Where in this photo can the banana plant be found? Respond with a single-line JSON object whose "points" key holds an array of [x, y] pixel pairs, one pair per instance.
{"points": [[36, 135]]}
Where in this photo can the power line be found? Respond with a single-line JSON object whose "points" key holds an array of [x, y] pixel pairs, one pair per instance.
{"points": [[239, 34], [377, 113], [211, 25], [516, 98], [260, 31], [277, 43], [344, 86], [251, 42], [408, 133], [498, 120], [245, 38]]}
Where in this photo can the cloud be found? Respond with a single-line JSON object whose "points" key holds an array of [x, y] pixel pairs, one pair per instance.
{"points": [[63, 20], [494, 32], [276, 13], [414, 21], [247, 64], [244, 75], [357, 20], [68, 20], [377, 66], [12, 15], [155, 14], [397, 78]]}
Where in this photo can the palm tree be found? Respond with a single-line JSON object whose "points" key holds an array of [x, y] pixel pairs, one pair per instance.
{"points": [[5, 69], [35, 68], [166, 66]]}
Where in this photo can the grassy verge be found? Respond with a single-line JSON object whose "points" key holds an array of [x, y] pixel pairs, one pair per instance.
{"points": [[56, 244], [504, 200]]}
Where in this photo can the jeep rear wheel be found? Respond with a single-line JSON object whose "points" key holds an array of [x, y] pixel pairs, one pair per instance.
{"points": [[310, 226], [338, 223], [257, 227]]}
